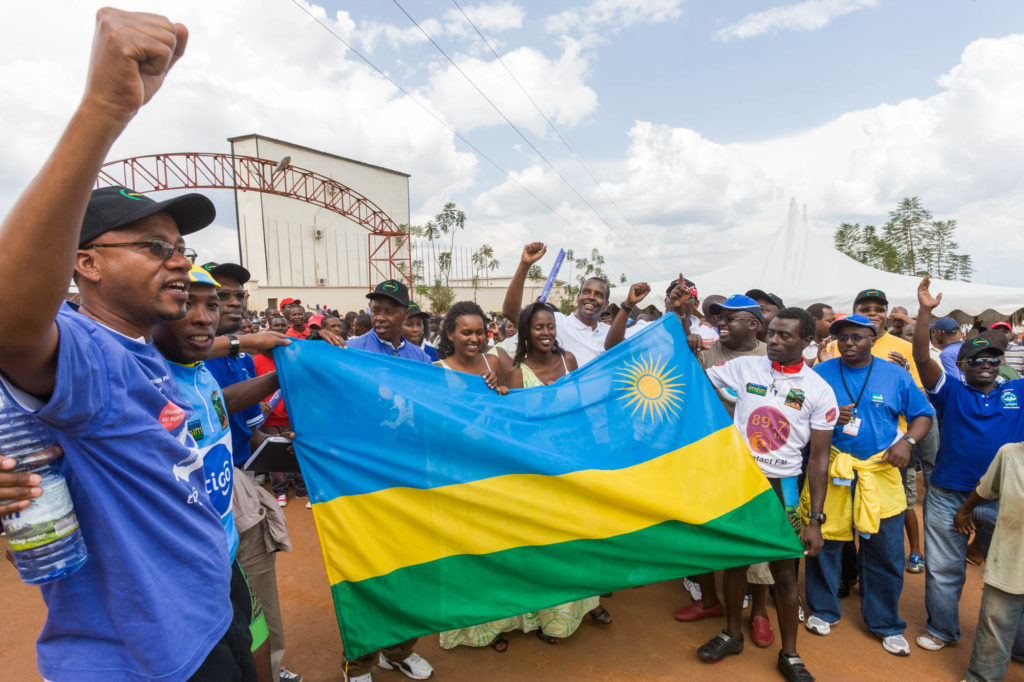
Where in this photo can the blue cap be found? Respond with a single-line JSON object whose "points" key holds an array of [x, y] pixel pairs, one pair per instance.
{"points": [[945, 324], [737, 302], [853, 321]]}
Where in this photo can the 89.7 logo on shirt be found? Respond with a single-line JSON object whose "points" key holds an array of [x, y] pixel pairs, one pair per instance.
{"points": [[767, 430]]}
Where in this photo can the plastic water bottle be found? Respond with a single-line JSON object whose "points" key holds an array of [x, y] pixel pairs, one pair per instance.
{"points": [[44, 538]]}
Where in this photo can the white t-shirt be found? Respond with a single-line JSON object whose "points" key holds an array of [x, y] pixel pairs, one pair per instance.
{"points": [[776, 411], [582, 341]]}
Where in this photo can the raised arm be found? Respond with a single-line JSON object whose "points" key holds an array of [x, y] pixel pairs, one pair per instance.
{"points": [[929, 370], [637, 292], [513, 304], [131, 55]]}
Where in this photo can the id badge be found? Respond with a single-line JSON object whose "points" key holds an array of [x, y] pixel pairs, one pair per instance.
{"points": [[852, 428]]}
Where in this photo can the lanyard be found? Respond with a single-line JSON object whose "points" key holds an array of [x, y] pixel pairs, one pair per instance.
{"points": [[856, 402]]}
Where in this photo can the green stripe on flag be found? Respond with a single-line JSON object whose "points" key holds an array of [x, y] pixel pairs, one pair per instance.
{"points": [[410, 601]]}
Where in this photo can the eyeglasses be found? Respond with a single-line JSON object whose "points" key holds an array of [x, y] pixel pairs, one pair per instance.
{"points": [[978, 362], [226, 296], [856, 338], [157, 247]]}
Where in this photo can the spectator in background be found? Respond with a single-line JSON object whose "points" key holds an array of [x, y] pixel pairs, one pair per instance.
{"points": [[297, 318], [824, 316], [361, 325], [770, 306], [898, 318], [415, 330], [279, 324], [1014, 356]]}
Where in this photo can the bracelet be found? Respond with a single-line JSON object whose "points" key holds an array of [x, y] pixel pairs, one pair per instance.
{"points": [[625, 307]]}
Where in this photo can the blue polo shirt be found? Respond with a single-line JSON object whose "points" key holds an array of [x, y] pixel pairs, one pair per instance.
{"points": [[229, 371], [370, 342], [947, 358], [890, 393], [974, 426]]}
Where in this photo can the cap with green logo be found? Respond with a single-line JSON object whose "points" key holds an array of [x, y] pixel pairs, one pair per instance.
{"points": [[393, 289], [111, 208], [871, 295], [977, 346]]}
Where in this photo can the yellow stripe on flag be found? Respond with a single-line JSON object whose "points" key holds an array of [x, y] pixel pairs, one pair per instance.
{"points": [[376, 533]]}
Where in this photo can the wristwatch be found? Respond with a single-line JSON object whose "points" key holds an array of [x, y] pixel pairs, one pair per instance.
{"points": [[910, 439], [817, 516], [236, 347]]}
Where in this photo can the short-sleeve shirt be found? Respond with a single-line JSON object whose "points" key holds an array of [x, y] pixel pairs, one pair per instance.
{"points": [[1004, 480], [885, 344], [776, 410], [211, 430], [585, 343], [1014, 357], [889, 393], [974, 426], [228, 371], [370, 342], [152, 599], [718, 354], [264, 364], [304, 334]]}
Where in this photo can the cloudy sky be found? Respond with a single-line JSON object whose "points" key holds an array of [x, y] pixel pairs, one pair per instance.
{"points": [[669, 134]]}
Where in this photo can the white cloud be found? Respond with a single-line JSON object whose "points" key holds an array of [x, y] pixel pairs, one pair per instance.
{"points": [[489, 17], [809, 15], [559, 84], [610, 16]]}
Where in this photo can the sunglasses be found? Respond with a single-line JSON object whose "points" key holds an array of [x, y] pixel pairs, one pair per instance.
{"points": [[226, 296], [157, 247], [978, 362]]}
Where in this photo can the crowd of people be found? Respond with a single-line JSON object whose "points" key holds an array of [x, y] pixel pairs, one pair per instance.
{"points": [[158, 383]]}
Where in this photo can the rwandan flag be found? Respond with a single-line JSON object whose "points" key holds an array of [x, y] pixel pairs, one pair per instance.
{"points": [[441, 504]]}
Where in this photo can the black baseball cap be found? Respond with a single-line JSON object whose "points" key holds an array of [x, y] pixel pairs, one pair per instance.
{"points": [[976, 346], [393, 289], [232, 270], [111, 208], [761, 295], [872, 295], [414, 311]]}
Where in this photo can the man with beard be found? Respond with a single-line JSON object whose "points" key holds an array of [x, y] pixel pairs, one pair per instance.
{"points": [[781, 407]]}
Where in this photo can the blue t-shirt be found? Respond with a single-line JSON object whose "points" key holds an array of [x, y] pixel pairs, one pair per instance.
{"points": [[974, 427], [890, 393], [229, 371], [153, 598], [208, 425], [370, 342]]}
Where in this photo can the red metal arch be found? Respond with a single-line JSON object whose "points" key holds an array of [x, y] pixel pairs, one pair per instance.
{"points": [[389, 248]]}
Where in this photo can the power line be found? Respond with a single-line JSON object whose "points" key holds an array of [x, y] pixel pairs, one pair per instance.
{"points": [[549, 122], [522, 135], [440, 120]]}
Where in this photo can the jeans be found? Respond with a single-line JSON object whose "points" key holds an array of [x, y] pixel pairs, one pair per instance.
{"points": [[924, 452], [946, 567], [880, 562], [1001, 616]]}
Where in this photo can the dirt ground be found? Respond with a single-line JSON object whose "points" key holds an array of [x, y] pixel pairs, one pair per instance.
{"points": [[644, 642]]}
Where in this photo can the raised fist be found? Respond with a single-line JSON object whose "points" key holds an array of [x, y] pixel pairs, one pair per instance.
{"points": [[533, 252]]}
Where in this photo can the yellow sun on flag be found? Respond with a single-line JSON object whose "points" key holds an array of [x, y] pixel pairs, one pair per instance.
{"points": [[650, 386]]}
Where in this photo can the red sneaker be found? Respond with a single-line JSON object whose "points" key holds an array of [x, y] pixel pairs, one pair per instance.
{"points": [[761, 631], [696, 611]]}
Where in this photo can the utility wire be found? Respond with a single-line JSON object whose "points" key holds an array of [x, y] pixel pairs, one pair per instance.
{"points": [[550, 123], [523, 136], [440, 120]]}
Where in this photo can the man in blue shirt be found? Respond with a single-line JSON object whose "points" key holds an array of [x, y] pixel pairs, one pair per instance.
{"points": [[979, 415], [866, 491], [92, 376], [389, 307]]}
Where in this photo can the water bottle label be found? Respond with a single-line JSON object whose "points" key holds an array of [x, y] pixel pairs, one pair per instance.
{"points": [[49, 517]]}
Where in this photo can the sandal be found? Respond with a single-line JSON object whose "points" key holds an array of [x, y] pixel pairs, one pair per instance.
{"points": [[600, 616], [547, 639], [499, 644]]}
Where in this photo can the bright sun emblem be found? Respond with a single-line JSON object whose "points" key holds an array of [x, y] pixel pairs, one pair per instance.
{"points": [[651, 386]]}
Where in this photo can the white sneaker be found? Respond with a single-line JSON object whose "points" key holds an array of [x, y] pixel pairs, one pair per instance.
{"points": [[362, 678], [896, 645], [309, 505], [818, 626], [693, 588], [800, 615], [932, 643], [746, 601], [414, 667]]}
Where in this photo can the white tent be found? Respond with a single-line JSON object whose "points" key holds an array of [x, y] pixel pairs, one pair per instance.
{"points": [[803, 268]]}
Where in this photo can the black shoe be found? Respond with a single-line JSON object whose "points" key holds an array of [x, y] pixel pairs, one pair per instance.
{"points": [[721, 646], [844, 590], [792, 668]]}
